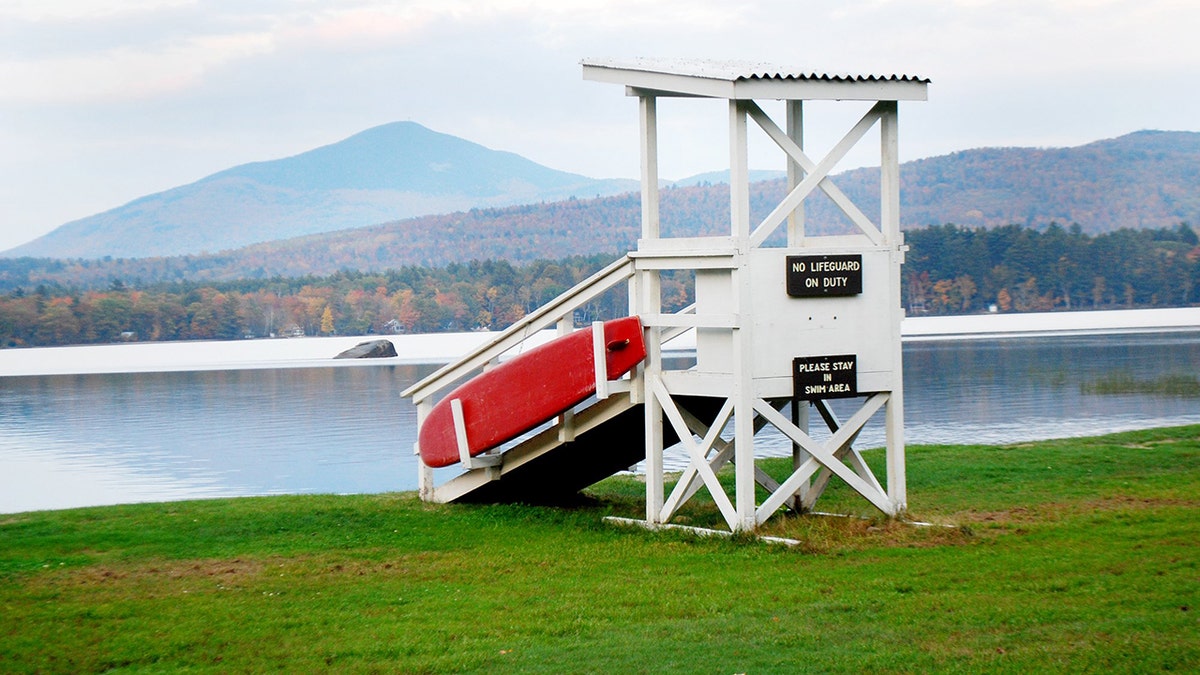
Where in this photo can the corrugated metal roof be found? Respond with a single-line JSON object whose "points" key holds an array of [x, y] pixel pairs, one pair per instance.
{"points": [[735, 71]]}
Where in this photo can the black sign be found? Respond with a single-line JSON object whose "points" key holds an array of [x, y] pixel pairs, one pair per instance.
{"points": [[817, 377], [814, 276]]}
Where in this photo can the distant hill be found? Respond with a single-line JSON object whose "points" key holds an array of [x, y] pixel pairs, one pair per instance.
{"points": [[716, 177], [1147, 179], [390, 172]]}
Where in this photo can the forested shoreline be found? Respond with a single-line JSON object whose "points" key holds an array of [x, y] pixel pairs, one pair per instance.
{"points": [[949, 270], [956, 270]]}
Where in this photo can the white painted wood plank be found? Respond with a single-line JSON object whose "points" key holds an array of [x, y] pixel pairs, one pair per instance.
{"points": [[794, 120], [600, 360], [739, 172], [460, 432], [648, 119]]}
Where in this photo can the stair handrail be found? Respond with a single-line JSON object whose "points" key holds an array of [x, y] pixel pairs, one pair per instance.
{"points": [[528, 326]]}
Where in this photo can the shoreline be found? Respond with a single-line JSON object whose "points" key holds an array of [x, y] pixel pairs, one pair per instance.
{"points": [[1046, 324], [438, 348]]}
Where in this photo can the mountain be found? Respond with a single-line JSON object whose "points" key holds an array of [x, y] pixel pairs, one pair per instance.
{"points": [[1147, 179], [715, 177], [1144, 179], [394, 171]]}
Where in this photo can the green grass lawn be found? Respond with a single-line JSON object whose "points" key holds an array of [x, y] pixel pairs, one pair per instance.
{"points": [[1076, 555]]}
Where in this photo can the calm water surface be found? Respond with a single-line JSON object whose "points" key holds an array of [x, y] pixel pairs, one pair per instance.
{"points": [[101, 439]]}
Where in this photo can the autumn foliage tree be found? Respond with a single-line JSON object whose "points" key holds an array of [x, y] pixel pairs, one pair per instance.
{"points": [[487, 295], [949, 270]]}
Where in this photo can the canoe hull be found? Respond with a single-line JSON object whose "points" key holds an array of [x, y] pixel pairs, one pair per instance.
{"points": [[527, 390]]}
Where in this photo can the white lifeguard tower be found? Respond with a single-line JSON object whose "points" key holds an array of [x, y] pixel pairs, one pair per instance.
{"points": [[776, 326], [812, 321]]}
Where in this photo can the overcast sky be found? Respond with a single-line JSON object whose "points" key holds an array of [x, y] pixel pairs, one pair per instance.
{"points": [[103, 101]]}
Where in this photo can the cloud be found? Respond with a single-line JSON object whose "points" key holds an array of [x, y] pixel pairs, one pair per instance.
{"points": [[58, 10], [140, 95], [56, 52], [123, 73]]}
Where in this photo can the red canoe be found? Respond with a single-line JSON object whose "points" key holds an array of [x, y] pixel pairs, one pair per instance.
{"points": [[527, 390]]}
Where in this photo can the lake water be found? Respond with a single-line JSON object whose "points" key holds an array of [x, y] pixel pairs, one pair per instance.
{"points": [[75, 440]]}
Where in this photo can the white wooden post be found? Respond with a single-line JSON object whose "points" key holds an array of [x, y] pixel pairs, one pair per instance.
{"points": [[800, 410], [890, 224], [743, 338], [651, 375], [648, 109], [637, 378], [795, 172], [424, 473], [739, 173], [650, 302], [889, 180]]}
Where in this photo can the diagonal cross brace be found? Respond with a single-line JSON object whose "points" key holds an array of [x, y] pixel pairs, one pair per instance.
{"points": [[688, 483], [696, 452], [794, 151], [817, 175], [856, 460], [823, 454], [804, 472]]}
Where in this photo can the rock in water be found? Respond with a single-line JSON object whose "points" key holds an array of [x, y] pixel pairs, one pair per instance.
{"points": [[372, 349]]}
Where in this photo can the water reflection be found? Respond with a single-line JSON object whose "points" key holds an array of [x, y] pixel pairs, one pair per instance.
{"points": [[89, 439], [99, 439], [1016, 390]]}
